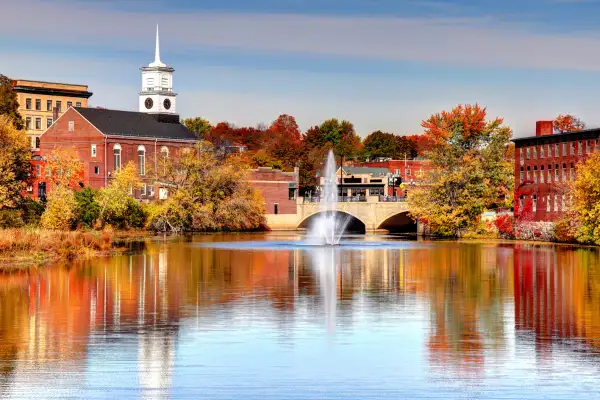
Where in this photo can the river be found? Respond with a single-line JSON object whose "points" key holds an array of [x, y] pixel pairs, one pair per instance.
{"points": [[378, 318]]}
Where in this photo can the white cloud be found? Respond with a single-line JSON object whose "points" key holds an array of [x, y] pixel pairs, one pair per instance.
{"points": [[472, 42]]}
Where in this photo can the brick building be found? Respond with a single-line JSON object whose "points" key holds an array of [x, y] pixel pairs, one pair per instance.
{"points": [[280, 189], [544, 163], [41, 103], [105, 140], [412, 172]]}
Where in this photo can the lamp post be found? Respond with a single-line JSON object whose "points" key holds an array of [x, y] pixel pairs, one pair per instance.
{"points": [[394, 180]]}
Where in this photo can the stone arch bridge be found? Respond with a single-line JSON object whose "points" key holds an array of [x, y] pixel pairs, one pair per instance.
{"points": [[364, 216]]}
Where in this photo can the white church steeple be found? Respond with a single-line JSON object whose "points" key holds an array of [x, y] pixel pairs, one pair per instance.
{"points": [[157, 96], [157, 62]]}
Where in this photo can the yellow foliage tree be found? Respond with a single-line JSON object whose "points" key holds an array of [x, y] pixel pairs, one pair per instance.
{"points": [[60, 211], [65, 167], [586, 200], [114, 199], [15, 167]]}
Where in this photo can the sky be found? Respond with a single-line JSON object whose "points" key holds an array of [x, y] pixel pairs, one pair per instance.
{"points": [[381, 64]]}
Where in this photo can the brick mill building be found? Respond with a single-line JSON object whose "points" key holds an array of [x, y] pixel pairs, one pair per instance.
{"points": [[544, 163]]}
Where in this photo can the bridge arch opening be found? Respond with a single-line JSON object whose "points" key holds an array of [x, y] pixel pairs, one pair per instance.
{"points": [[355, 225], [399, 223]]}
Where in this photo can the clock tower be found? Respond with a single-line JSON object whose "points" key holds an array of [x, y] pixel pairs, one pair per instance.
{"points": [[157, 97]]}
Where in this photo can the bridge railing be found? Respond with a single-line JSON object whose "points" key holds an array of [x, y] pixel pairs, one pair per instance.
{"points": [[391, 199], [340, 199]]}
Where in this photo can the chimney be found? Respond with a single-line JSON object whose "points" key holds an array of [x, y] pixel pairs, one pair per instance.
{"points": [[544, 128]]}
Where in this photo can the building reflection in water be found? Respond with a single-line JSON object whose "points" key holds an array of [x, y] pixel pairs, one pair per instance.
{"points": [[477, 298]]}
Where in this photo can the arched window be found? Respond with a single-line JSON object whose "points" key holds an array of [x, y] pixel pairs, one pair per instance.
{"points": [[142, 160], [164, 154], [117, 157]]}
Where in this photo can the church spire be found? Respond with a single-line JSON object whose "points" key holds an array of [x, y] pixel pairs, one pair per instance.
{"points": [[157, 62]]}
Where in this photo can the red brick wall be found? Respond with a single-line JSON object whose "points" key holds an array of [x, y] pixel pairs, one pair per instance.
{"points": [[274, 186], [82, 138], [532, 186]]}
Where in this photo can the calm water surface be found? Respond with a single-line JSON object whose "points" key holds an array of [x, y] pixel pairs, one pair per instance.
{"points": [[414, 320]]}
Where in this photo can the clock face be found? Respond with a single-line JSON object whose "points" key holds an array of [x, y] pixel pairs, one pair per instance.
{"points": [[148, 103], [167, 104]]}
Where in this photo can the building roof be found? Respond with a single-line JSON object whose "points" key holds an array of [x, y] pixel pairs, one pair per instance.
{"points": [[366, 171], [587, 133], [134, 124]]}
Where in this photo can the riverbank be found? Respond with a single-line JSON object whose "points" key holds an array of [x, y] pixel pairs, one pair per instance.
{"points": [[33, 246]]}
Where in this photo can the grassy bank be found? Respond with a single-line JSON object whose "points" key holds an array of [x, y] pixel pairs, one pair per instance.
{"points": [[39, 246]]}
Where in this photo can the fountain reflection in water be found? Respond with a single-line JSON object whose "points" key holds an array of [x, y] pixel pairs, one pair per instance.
{"points": [[325, 261], [329, 226]]}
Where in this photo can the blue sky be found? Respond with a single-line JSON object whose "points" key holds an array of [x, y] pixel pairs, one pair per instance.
{"points": [[382, 64]]}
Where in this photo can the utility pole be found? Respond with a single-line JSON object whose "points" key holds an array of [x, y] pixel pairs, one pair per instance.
{"points": [[342, 177]]}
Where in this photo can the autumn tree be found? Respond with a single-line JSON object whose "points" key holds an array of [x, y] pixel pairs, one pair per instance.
{"points": [[422, 143], [469, 169], [9, 105], [567, 123], [115, 201], [586, 200], [198, 125], [381, 144], [207, 194], [283, 141], [65, 168], [15, 167]]}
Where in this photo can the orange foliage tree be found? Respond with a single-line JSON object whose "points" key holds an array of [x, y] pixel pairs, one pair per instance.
{"points": [[567, 123]]}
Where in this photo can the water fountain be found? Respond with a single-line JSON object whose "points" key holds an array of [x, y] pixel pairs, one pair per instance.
{"points": [[328, 227]]}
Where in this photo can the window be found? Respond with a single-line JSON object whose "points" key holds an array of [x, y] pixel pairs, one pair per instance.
{"points": [[48, 105], [38, 170], [48, 122], [78, 104], [28, 123], [580, 148], [38, 104], [572, 172], [117, 157], [165, 82], [69, 104], [535, 175], [542, 174], [564, 172], [556, 152], [535, 152], [408, 172], [548, 203], [97, 170], [38, 123], [275, 208], [37, 142], [555, 203], [564, 204], [588, 146], [534, 203], [556, 178], [164, 152], [549, 173], [142, 160], [94, 150], [151, 190], [58, 105], [29, 189], [28, 104], [397, 172], [564, 153], [143, 189], [521, 154], [522, 174], [71, 126], [542, 151], [48, 171], [549, 150], [571, 148], [527, 153]]}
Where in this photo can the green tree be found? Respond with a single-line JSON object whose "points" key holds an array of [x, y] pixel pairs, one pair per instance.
{"points": [[470, 170], [341, 137], [15, 167], [115, 199], [381, 144], [9, 104], [87, 209], [198, 125]]}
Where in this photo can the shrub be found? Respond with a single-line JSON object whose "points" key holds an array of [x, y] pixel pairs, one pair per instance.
{"points": [[87, 209], [60, 211], [505, 225], [135, 216], [10, 218], [31, 211]]}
